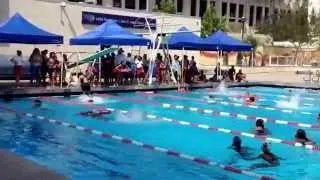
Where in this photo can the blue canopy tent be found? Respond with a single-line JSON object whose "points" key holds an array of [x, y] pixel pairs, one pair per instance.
{"points": [[184, 39], [19, 30], [110, 33], [220, 41]]}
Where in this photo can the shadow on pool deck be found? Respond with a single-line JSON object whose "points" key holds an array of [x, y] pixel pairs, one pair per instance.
{"points": [[13, 167]]}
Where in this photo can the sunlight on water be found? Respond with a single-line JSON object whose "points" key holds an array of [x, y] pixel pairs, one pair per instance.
{"points": [[293, 102], [135, 116], [222, 90]]}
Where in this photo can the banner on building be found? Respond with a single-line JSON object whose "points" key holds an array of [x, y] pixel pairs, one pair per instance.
{"points": [[94, 18]]}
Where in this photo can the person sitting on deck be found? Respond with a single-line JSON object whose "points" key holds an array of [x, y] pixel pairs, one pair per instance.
{"points": [[302, 138], [267, 155], [240, 77], [202, 77], [95, 113]]}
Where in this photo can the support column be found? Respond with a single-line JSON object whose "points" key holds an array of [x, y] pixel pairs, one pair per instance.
{"points": [[228, 10], [218, 7], [208, 3], [237, 12], [175, 3], [263, 14], [123, 4], [197, 8], [255, 15], [186, 7], [136, 5]]}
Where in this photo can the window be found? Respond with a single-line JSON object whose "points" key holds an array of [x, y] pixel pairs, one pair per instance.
{"points": [[259, 14], [241, 12], [233, 8], [251, 16], [266, 13], [157, 3], [179, 6], [212, 4], [193, 7], [99, 2], [117, 3], [130, 4], [143, 4], [224, 9], [203, 7]]}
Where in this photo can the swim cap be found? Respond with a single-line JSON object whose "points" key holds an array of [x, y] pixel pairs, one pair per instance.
{"points": [[90, 100]]}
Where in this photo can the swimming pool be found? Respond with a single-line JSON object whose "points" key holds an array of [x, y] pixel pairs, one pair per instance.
{"points": [[165, 135]]}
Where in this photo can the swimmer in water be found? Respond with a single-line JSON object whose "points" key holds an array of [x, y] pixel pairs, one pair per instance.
{"points": [[95, 113], [243, 151], [37, 103], [260, 129], [318, 118], [249, 99], [271, 159], [301, 137]]}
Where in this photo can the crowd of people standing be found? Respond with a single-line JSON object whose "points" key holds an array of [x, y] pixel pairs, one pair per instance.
{"points": [[119, 69]]}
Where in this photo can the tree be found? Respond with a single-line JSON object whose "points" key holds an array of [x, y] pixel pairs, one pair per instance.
{"points": [[211, 22], [293, 26], [166, 6]]}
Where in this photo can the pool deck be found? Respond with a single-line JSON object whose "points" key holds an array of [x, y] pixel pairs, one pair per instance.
{"points": [[13, 167]]}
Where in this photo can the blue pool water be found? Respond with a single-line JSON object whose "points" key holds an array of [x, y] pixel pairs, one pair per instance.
{"points": [[78, 155]]}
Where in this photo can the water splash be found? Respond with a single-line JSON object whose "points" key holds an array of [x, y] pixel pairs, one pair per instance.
{"points": [[223, 90], [91, 99], [292, 103], [134, 117]]}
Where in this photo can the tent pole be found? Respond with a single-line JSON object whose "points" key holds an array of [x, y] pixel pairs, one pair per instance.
{"points": [[218, 60], [61, 70], [220, 64], [252, 58], [99, 81]]}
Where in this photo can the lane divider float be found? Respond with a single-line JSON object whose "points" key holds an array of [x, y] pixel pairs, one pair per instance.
{"points": [[207, 127], [228, 103], [150, 147], [217, 113]]}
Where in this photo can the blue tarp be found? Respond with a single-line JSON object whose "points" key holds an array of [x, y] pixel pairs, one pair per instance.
{"points": [[109, 33], [184, 38], [19, 30], [222, 41]]}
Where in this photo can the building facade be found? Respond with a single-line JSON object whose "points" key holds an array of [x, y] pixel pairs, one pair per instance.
{"points": [[254, 11]]}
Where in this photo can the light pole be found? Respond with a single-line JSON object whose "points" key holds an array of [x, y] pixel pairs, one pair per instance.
{"points": [[243, 21]]}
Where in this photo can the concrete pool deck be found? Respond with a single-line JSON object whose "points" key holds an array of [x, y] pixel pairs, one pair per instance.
{"points": [[13, 167]]}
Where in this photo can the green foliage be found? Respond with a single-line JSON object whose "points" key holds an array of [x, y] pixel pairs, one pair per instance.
{"points": [[211, 22], [166, 6], [252, 40], [293, 27]]}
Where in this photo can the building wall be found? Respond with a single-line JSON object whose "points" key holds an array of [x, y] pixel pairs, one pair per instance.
{"points": [[51, 16]]}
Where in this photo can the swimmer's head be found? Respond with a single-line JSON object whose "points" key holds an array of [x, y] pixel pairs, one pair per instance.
{"points": [[37, 103], [260, 123], [290, 90], [301, 134], [265, 148], [236, 142], [252, 98], [90, 100]]}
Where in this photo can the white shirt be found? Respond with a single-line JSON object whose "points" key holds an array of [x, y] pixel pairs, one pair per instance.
{"points": [[17, 60], [176, 66], [139, 64], [120, 58]]}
